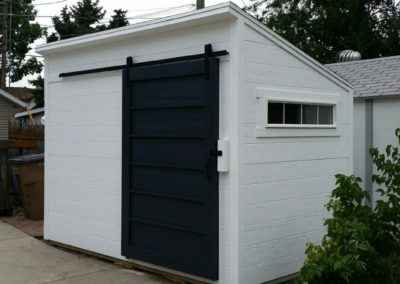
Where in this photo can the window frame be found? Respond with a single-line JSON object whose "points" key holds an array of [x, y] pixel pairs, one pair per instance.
{"points": [[301, 103]]}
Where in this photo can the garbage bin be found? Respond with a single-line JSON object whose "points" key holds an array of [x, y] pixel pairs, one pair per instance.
{"points": [[29, 171], [5, 204]]}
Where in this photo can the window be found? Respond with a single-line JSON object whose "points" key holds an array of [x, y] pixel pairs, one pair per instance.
{"points": [[287, 113], [292, 113], [310, 114], [275, 113], [325, 115]]}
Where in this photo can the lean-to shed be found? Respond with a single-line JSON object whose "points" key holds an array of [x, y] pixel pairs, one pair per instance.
{"points": [[202, 144]]}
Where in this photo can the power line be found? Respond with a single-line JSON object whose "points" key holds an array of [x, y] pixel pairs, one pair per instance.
{"points": [[50, 3], [10, 35], [4, 45], [45, 16]]}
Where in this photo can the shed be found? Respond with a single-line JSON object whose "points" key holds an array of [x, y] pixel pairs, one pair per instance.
{"points": [[202, 144], [376, 84]]}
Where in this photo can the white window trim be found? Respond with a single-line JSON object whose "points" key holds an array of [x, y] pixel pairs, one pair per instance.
{"points": [[319, 126], [301, 101]]}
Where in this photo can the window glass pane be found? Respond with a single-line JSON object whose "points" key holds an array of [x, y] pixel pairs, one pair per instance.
{"points": [[325, 114], [292, 114], [310, 114], [275, 113]]}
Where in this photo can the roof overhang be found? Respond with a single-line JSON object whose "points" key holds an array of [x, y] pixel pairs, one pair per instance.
{"points": [[13, 99], [206, 15], [27, 113], [377, 97]]}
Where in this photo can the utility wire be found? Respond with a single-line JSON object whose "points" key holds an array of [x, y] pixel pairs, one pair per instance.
{"points": [[45, 16], [10, 37], [49, 3]]}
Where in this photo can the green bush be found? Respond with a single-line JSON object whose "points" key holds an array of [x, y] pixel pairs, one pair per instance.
{"points": [[362, 243]]}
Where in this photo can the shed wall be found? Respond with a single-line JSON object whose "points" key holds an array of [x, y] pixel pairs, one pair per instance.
{"points": [[360, 139], [386, 119], [83, 139], [286, 175]]}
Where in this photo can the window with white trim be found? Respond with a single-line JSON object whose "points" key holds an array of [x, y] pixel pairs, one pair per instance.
{"points": [[300, 114]]}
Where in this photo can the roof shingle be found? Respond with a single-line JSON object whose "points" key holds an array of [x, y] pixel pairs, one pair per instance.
{"points": [[371, 77]]}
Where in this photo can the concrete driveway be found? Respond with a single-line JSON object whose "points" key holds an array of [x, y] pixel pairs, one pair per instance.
{"points": [[25, 260]]}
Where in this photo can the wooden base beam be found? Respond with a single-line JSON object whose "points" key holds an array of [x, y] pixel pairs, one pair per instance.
{"points": [[129, 264]]}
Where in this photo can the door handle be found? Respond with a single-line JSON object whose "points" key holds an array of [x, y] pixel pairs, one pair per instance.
{"points": [[208, 169], [216, 153]]}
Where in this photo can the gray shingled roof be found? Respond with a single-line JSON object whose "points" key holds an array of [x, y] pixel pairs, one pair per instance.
{"points": [[371, 77]]}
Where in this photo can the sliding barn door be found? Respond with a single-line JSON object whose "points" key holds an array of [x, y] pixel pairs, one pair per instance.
{"points": [[170, 180]]}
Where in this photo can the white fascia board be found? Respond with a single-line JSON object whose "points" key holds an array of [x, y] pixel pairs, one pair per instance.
{"points": [[26, 113], [216, 12], [13, 99]]}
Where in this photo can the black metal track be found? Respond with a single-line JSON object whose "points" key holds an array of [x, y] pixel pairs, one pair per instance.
{"points": [[162, 61]]}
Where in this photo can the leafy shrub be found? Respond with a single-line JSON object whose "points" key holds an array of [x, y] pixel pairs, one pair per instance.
{"points": [[362, 243]]}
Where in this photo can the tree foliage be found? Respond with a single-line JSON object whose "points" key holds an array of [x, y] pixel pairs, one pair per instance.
{"points": [[83, 18], [38, 91], [79, 19], [362, 243], [322, 28], [22, 33], [118, 19]]}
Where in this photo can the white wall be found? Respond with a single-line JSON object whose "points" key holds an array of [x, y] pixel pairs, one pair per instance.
{"points": [[360, 139], [83, 140], [386, 119], [286, 175]]}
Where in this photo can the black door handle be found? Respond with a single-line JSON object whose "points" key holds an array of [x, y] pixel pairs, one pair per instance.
{"points": [[208, 169], [215, 153]]}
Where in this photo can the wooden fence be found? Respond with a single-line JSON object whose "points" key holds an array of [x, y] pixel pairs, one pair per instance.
{"points": [[23, 138], [26, 136]]}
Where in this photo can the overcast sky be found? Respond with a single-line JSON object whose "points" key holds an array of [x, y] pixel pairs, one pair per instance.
{"points": [[136, 8]]}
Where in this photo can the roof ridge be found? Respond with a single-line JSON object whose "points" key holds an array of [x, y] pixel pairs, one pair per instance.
{"points": [[365, 60]]}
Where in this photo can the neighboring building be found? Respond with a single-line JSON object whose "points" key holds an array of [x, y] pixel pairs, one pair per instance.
{"points": [[376, 84], [31, 117], [206, 164], [9, 105], [23, 94]]}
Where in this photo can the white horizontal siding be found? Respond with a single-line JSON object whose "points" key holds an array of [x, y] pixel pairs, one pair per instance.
{"points": [[83, 139], [386, 119], [359, 139], [7, 110], [284, 181], [178, 42]]}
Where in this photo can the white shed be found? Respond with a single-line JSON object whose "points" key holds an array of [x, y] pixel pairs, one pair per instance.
{"points": [[210, 154]]}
